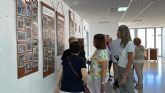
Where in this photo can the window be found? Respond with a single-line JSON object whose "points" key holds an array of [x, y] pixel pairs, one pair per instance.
{"points": [[132, 32], [141, 35], [158, 40], [150, 38]]}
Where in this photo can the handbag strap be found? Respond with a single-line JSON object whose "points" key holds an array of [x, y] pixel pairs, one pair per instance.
{"points": [[73, 70]]}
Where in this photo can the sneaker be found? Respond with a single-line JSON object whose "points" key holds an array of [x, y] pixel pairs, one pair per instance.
{"points": [[110, 76], [116, 84], [138, 86], [109, 79], [135, 81]]}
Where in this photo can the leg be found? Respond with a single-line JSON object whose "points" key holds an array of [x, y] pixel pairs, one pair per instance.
{"points": [[139, 72], [115, 69], [109, 68], [130, 82], [129, 86]]}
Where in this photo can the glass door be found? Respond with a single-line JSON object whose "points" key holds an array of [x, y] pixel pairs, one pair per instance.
{"points": [[132, 32], [158, 40], [150, 38], [141, 35]]}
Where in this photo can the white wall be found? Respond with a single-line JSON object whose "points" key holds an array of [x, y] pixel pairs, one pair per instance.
{"points": [[163, 47], [104, 28], [33, 83]]}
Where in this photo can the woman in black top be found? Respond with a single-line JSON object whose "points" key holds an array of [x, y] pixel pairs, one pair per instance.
{"points": [[70, 83], [81, 53]]}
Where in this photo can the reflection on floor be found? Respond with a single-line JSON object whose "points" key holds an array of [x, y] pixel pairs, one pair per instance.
{"points": [[154, 78]]}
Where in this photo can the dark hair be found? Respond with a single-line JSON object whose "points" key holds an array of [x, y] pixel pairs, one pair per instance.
{"points": [[81, 41], [124, 35], [137, 41], [99, 40], [74, 47]]}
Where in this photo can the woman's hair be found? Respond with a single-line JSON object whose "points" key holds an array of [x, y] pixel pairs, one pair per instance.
{"points": [[74, 47], [81, 41], [124, 35], [99, 41], [137, 41], [72, 39]]}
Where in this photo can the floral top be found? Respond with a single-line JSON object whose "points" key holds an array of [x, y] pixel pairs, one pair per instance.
{"points": [[98, 56]]}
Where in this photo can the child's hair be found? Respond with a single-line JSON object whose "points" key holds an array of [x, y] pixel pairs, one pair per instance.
{"points": [[137, 41]]}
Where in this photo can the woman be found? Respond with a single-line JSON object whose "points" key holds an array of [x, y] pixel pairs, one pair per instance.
{"points": [[125, 68], [67, 81], [139, 61], [99, 63]]}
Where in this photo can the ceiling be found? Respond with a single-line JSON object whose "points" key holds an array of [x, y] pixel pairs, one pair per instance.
{"points": [[140, 13]]}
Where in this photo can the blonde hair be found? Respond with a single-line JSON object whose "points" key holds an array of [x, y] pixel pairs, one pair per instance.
{"points": [[124, 35], [72, 39]]}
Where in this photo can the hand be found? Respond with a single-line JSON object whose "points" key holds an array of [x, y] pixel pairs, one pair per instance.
{"points": [[102, 90], [123, 81], [57, 90]]}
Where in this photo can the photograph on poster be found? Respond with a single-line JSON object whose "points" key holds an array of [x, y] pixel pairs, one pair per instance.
{"points": [[34, 3], [21, 48], [44, 21], [28, 67], [28, 32], [29, 56], [29, 44], [28, 22], [21, 60], [51, 23], [45, 42], [49, 62], [45, 65], [20, 22], [34, 13], [21, 35], [53, 61], [28, 10], [35, 42], [45, 32], [35, 52], [49, 53], [45, 52], [35, 63], [49, 43], [34, 29], [49, 33], [21, 7]]}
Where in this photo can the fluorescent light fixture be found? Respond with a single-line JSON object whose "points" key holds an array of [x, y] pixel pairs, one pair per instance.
{"points": [[122, 9]]}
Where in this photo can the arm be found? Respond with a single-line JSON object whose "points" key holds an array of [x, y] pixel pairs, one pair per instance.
{"points": [[59, 77], [103, 70], [103, 75], [129, 64], [84, 74], [57, 89]]}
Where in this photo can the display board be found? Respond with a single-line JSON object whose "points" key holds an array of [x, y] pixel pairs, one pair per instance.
{"points": [[60, 33], [48, 38], [27, 36], [71, 23]]}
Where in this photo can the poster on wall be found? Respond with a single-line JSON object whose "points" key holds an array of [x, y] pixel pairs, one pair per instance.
{"points": [[60, 33], [27, 33], [71, 24], [48, 37]]}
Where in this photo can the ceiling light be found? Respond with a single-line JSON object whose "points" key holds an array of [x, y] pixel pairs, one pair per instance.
{"points": [[122, 9]]}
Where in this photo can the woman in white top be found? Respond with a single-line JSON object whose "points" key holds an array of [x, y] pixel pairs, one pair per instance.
{"points": [[125, 68]]}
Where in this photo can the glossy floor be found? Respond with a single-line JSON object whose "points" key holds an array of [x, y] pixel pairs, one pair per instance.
{"points": [[154, 78]]}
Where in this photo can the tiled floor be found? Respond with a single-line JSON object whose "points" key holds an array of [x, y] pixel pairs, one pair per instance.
{"points": [[154, 78]]}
